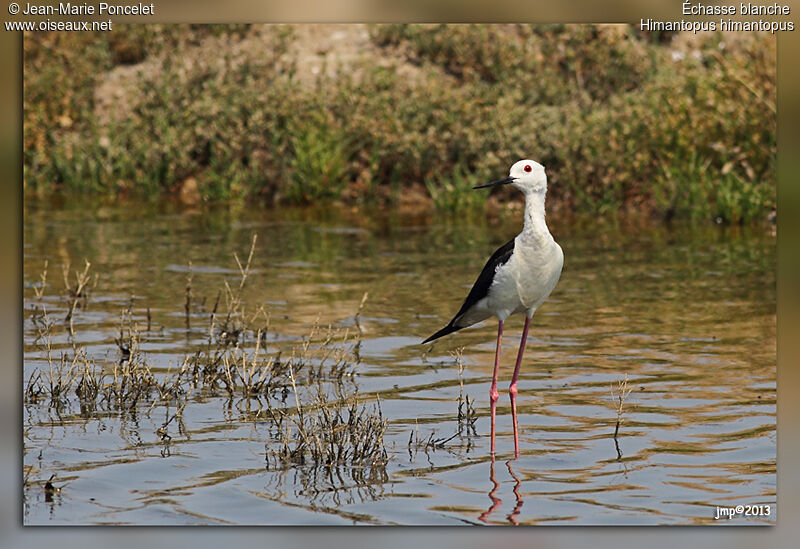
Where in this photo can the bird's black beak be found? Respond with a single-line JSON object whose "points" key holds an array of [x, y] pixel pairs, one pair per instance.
{"points": [[505, 181]]}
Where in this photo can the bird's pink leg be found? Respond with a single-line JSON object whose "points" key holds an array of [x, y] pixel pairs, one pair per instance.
{"points": [[512, 390], [493, 394]]}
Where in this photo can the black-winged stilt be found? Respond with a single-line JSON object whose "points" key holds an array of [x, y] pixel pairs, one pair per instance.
{"points": [[517, 278]]}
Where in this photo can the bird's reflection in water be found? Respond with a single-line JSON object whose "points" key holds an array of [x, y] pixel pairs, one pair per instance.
{"points": [[496, 501], [512, 518]]}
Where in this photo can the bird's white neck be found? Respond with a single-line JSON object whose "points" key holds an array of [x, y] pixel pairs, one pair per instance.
{"points": [[534, 215]]}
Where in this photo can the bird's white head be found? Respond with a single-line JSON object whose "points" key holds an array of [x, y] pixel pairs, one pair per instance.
{"points": [[526, 175]]}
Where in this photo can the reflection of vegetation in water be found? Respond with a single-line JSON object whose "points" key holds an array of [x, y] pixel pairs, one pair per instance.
{"points": [[329, 488]]}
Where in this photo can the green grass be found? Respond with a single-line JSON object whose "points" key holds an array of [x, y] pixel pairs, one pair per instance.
{"points": [[319, 161], [622, 120], [452, 192]]}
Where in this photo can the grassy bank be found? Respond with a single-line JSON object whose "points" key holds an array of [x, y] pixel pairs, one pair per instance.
{"points": [[672, 125]]}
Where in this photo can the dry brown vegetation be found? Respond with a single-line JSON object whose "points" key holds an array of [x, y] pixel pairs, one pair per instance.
{"points": [[327, 423]]}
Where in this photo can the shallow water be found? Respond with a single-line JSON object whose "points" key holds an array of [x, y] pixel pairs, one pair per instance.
{"points": [[688, 314]]}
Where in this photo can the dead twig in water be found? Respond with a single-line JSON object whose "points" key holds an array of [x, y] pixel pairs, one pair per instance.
{"points": [[43, 277], [358, 313], [187, 305], [76, 293], [466, 409], [620, 395]]}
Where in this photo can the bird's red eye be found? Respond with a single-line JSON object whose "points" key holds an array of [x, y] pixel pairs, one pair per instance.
{"points": [[527, 167]]}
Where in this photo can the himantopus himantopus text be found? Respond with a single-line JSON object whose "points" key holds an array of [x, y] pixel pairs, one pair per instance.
{"points": [[517, 278]]}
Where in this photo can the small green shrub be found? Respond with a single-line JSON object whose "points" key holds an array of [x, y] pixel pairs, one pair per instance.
{"points": [[453, 191], [319, 161]]}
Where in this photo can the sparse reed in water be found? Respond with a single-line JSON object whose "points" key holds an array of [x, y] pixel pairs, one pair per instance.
{"points": [[620, 394], [328, 425]]}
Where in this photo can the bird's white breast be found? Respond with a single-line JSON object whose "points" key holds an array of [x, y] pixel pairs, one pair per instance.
{"points": [[525, 281]]}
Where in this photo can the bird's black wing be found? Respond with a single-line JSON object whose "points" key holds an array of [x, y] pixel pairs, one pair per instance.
{"points": [[480, 289]]}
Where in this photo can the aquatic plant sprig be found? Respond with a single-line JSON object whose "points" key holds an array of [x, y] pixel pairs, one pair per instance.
{"points": [[39, 290], [77, 293], [467, 416], [232, 326], [620, 394]]}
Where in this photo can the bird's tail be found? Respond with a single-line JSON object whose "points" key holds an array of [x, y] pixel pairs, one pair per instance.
{"points": [[449, 329]]}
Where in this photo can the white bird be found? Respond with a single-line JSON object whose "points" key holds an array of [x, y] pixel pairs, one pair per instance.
{"points": [[517, 278]]}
